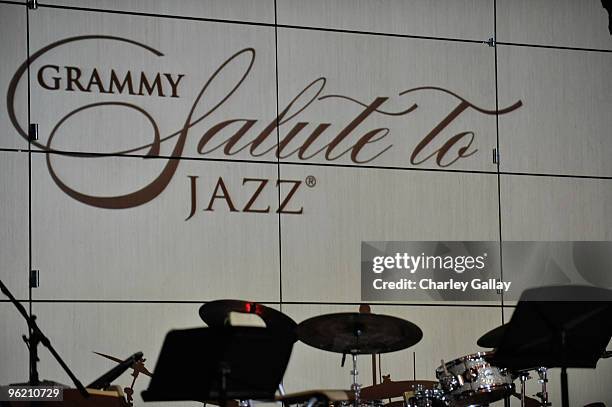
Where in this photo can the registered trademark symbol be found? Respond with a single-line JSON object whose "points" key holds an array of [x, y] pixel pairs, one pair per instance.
{"points": [[311, 181]]}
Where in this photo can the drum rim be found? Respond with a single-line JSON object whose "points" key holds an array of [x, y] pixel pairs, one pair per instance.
{"points": [[429, 392], [483, 390], [470, 357]]}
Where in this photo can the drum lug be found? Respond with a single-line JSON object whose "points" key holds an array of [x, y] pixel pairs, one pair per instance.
{"points": [[470, 375]]}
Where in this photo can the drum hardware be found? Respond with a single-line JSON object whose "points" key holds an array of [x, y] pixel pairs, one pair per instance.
{"points": [[543, 380], [451, 381], [353, 333], [355, 387], [491, 339], [424, 397], [136, 362], [472, 380], [312, 402], [523, 377]]}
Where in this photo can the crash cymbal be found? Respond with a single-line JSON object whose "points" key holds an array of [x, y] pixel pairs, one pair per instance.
{"points": [[215, 314], [389, 389], [355, 333], [491, 339]]}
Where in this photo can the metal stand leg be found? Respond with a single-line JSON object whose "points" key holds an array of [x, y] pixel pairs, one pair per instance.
{"points": [[523, 377], [543, 395], [564, 388], [355, 387]]}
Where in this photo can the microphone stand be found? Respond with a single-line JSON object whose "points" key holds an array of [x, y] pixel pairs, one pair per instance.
{"points": [[36, 337]]}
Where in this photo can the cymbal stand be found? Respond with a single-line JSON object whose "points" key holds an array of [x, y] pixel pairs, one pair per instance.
{"points": [[543, 395], [523, 376], [355, 387]]}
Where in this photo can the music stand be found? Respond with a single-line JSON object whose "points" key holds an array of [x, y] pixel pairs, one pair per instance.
{"points": [[218, 364], [557, 327]]}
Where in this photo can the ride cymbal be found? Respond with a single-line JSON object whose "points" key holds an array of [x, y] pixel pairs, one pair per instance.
{"points": [[356, 333]]}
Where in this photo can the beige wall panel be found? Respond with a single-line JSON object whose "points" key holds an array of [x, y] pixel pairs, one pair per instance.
{"points": [[465, 19], [564, 125], [585, 385], [261, 11], [13, 32], [77, 330], [357, 69], [556, 208], [13, 351], [321, 247], [126, 122], [154, 251], [14, 222], [448, 333], [564, 23]]}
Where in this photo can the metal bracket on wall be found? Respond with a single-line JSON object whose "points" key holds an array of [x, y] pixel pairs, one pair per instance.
{"points": [[33, 131], [32, 4], [495, 156], [34, 278], [490, 42]]}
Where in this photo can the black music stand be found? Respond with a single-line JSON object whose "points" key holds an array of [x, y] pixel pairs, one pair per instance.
{"points": [[219, 364], [557, 327]]}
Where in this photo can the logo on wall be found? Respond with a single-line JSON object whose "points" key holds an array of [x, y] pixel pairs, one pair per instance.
{"points": [[303, 141]]}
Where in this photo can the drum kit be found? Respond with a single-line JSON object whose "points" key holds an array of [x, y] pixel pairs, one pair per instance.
{"points": [[246, 363], [540, 335], [470, 380], [466, 381]]}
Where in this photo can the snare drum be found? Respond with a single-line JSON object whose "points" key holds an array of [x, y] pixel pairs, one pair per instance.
{"points": [[471, 380]]}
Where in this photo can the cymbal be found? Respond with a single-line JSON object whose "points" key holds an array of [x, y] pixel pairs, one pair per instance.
{"points": [[215, 314], [389, 389], [491, 339], [355, 333]]}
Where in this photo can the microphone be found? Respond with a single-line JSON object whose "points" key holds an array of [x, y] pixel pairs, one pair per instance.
{"points": [[107, 378]]}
